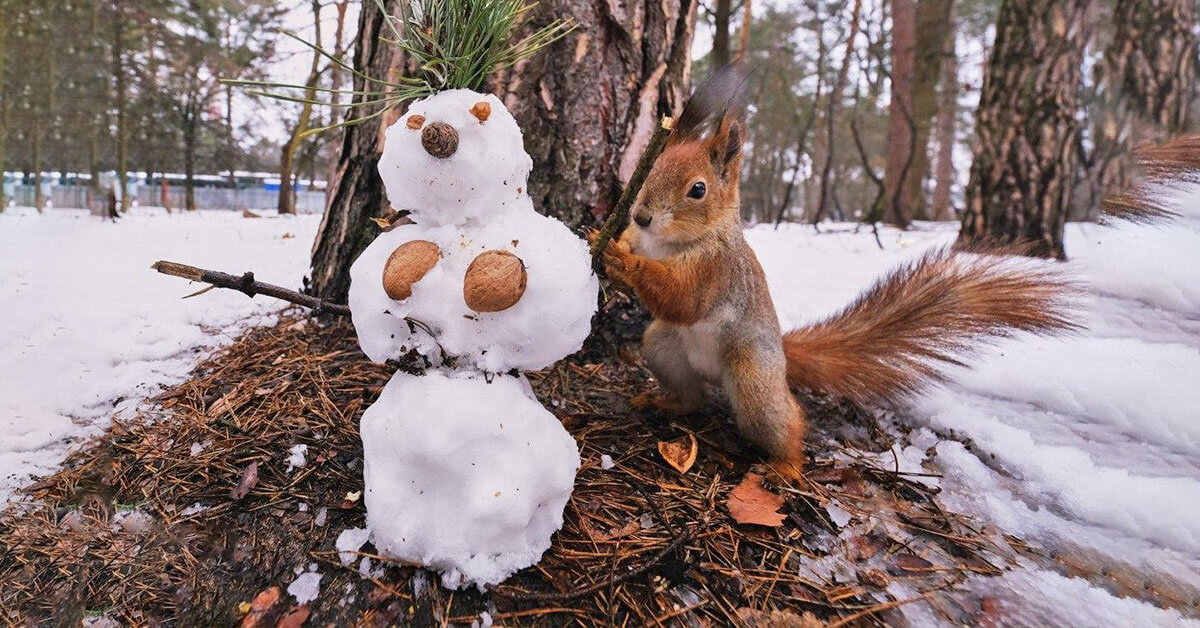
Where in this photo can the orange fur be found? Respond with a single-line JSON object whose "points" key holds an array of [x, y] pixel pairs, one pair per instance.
{"points": [[687, 259]]}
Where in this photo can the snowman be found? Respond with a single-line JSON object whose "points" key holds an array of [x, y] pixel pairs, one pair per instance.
{"points": [[465, 471]]}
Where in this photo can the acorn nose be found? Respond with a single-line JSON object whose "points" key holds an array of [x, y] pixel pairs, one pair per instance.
{"points": [[642, 219]]}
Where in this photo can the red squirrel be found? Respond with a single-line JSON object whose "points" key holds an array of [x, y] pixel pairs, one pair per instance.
{"points": [[685, 256]]}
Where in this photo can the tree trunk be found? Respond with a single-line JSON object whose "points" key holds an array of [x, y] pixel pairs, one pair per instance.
{"points": [[587, 107], [835, 97], [722, 13], [1146, 82], [947, 112], [1020, 183], [189, 162], [39, 197], [4, 109], [900, 138], [933, 28], [287, 194], [118, 71]]}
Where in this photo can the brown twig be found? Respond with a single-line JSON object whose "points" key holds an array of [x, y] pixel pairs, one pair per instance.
{"points": [[619, 217], [247, 285], [607, 582]]}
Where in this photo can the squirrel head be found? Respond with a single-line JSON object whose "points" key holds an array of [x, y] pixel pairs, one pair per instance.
{"points": [[693, 185]]}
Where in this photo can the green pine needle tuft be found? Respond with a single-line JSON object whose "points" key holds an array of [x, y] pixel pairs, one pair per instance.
{"points": [[455, 44], [458, 43]]}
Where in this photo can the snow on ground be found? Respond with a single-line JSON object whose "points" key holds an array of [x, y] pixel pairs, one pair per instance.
{"points": [[89, 330], [1086, 446]]}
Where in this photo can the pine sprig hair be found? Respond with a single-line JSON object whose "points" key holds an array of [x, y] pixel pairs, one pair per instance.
{"points": [[454, 44]]}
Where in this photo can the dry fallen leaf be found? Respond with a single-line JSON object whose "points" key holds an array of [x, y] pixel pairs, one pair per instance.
{"points": [[257, 610], [294, 617], [679, 453], [249, 479], [777, 619], [749, 502], [249, 214]]}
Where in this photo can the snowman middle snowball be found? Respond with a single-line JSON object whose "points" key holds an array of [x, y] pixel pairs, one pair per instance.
{"points": [[457, 163]]}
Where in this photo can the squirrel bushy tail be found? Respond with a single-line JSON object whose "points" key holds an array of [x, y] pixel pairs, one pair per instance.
{"points": [[897, 337]]}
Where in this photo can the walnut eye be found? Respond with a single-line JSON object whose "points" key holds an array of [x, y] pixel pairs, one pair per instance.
{"points": [[698, 190]]}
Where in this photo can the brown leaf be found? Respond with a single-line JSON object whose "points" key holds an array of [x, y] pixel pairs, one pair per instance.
{"points": [[750, 503], [908, 562], [249, 214], [249, 480], [258, 609], [294, 617], [679, 453]]}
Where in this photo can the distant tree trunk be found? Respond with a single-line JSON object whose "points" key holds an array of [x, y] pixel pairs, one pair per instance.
{"points": [[4, 112], [39, 197], [287, 193], [900, 138], [1020, 183], [118, 71], [933, 28], [587, 107], [835, 97], [189, 161], [947, 111], [722, 13], [744, 30], [1146, 81]]}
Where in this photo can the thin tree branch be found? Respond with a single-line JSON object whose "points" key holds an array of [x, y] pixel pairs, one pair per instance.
{"points": [[247, 285]]}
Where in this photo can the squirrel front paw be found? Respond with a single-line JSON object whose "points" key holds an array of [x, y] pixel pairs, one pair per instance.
{"points": [[619, 261]]}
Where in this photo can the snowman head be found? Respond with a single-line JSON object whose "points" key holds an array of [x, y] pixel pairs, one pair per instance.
{"points": [[455, 158]]}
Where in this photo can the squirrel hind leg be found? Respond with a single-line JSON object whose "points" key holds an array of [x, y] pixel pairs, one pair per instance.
{"points": [[767, 412], [683, 386]]}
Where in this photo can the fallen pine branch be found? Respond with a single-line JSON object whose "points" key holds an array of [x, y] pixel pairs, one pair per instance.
{"points": [[619, 216], [247, 285]]}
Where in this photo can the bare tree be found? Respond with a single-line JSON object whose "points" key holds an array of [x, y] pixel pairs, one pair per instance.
{"points": [[901, 136], [947, 112], [835, 97]]}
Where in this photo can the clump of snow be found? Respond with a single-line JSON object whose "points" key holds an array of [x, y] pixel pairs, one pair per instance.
{"points": [[551, 320], [306, 587], [87, 322], [298, 456], [195, 508], [321, 515], [349, 542], [465, 476], [197, 448], [606, 462], [838, 515], [484, 176]]}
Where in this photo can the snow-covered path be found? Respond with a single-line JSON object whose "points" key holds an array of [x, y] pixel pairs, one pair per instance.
{"points": [[88, 329], [1088, 447]]}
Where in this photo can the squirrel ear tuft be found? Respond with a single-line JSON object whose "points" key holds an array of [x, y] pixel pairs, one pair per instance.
{"points": [[725, 146]]}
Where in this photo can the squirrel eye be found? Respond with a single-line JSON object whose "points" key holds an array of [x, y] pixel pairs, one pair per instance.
{"points": [[697, 190]]}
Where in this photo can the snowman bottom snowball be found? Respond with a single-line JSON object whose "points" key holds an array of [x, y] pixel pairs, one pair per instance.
{"points": [[465, 476]]}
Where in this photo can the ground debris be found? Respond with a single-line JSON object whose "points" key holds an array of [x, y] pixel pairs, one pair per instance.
{"points": [[642, 543]]}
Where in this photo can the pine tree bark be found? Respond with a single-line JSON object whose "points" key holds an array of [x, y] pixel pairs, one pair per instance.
{"points": [[1146, 82], [933, 27], [947, 112], [901, 123], [1020, 183], [120, 97], [587, 106]]}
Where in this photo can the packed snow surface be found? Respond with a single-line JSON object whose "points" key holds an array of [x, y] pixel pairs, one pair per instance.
{"points": [[1086, 446], [88, 330], [465, 476], [550, 322], [486, 175]]}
